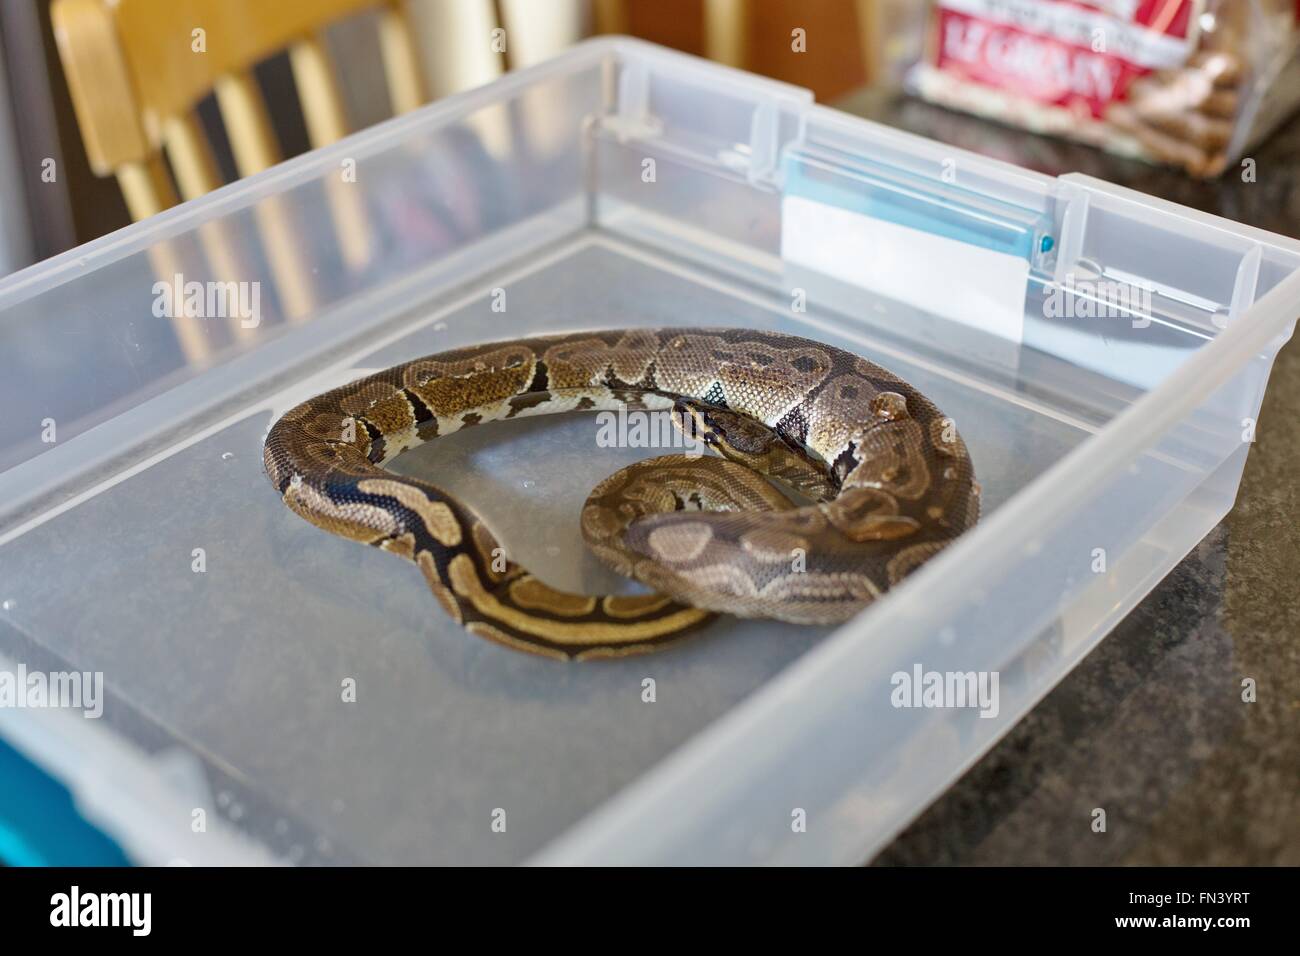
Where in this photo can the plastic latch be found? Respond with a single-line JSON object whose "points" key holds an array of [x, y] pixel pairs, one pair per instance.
{"points": [[1246, 283], [1074, 223], [733, 125], [631, 117], [764, 145]]}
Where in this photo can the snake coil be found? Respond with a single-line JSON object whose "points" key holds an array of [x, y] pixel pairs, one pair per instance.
{"points": [[888, 478]]}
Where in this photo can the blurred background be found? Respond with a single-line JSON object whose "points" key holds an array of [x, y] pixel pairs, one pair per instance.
{"points": [[105, 114], [47, 212]]}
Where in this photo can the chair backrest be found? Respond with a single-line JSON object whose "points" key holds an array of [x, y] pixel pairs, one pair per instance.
{"points": [[137, 70]]}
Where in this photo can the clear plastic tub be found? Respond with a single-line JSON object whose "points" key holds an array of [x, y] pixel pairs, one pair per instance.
{"points": [[618, 185]]}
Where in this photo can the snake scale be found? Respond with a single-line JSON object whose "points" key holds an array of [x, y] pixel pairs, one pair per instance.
{"points": [[887, 478]]}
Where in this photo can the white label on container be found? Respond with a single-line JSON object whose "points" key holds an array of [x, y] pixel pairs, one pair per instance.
{"points": [[978, 287]]}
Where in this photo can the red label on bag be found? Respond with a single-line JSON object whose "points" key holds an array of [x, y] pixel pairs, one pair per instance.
{"points": [[1072, 54]]}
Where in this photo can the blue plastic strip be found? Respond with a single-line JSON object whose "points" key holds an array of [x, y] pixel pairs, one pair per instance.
{"points": [[894, 195], [39, 822]]}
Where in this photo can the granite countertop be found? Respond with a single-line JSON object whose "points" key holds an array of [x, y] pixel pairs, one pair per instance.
{"points": [[1151, 725]]}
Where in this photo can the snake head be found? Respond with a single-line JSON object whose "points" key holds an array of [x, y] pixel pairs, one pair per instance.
{"points": [[721, 428]]}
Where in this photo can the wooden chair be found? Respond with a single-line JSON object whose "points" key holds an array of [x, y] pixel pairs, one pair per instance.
{"points": [[137, 70], [136, 78]]}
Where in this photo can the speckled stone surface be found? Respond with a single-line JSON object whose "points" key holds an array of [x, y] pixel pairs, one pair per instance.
{"points": [[1151, 726]]}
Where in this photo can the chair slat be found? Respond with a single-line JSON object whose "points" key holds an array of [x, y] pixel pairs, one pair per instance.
{"points": [[401, 66], [538, 31], [351, 221], [167, 260], [228, 260], [318, 91], [287, 255], [725, 28], [146, 187], [247, 124], [191, 156], [453, 44]]}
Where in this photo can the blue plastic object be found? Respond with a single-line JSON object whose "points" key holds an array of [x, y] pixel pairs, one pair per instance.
{"points": [[40, 824], [884, 192]]}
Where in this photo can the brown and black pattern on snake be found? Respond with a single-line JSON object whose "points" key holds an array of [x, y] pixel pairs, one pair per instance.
{"points": [[888, 479]]}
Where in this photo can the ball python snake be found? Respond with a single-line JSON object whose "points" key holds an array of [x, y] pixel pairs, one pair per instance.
{"points": [[888, 480]]}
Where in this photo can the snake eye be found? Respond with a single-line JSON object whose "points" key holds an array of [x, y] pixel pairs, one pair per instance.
{"points": [[889, 406]]}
